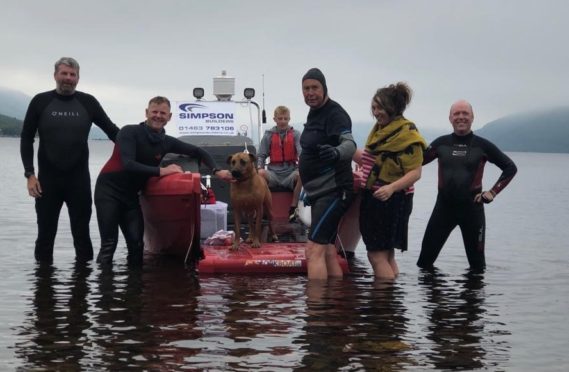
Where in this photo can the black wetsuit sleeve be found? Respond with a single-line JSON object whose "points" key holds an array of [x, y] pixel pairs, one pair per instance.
{"points": [[339, 128], [29, 130], [98, 115], [502, 161], [430, 153], [178, 147], [127, 140], [338, 123]]}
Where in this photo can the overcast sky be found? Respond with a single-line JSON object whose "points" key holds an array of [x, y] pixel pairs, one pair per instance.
{"points": [[503, 56]]}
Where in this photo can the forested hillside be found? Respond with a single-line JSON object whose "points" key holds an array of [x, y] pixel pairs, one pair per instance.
{"points": [[540, 131], [10, 127]]}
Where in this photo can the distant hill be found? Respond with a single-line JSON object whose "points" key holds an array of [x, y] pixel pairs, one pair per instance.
{"points": [[430, 134], [10, 127], [13, 106], [538, 131], [546, 130], [13, 103]]}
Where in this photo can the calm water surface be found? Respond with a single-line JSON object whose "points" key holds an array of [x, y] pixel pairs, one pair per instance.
{"points": [[82, 318]]}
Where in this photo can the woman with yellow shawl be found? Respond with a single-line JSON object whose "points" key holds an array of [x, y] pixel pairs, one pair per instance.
{"points": [[391, 164]]}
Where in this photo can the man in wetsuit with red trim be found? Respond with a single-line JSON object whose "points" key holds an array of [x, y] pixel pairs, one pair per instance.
{"points": [[62, 118], [462, 156], [136, 157]]}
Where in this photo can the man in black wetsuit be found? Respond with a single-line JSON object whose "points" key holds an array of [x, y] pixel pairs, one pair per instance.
{"points": [[460, 201], [139, 148], [325, 168], [62, 118]]}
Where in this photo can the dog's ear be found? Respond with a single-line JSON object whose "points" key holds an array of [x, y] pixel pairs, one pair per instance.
{"points": [[228, 161], [253, 159]]}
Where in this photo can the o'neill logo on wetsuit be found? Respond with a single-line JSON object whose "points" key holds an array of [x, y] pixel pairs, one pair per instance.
{"points": [[65, 113]]}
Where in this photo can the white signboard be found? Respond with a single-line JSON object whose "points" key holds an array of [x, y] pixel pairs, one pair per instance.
{"points": [[202, 118]]}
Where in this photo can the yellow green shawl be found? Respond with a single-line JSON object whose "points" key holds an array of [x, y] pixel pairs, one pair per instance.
{"points": [[393, 149]]}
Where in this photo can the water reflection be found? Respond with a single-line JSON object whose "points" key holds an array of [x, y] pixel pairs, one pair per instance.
{"points": [[119, 332], [249, 322], [347, 328], [141, 312], [160, 317], [171, 306], [459, 322], [56, 327]]}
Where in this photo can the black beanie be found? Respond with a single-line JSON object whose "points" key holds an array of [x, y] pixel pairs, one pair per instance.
{"points": [[316, 74]]}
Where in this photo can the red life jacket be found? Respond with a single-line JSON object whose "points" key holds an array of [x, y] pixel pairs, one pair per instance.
{"points": [[283, 151]]}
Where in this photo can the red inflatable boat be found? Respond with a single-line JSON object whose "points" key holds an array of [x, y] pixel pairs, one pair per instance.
{"points": [[173, 224]]}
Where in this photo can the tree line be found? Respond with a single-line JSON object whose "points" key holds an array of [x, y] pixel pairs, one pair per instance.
{"points": [[10, 127]]}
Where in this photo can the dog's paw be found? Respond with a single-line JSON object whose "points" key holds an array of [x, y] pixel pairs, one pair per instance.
{"points": [[256, 244], [275, 238]]}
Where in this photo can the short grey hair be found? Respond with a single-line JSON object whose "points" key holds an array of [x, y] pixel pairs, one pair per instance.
{"points": [[67, 61], [158, 100]]}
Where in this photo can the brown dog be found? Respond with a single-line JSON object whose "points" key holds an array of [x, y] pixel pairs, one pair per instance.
{"points": [[250, 196]]}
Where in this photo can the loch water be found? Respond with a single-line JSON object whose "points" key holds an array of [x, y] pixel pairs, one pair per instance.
{"points": [[72, 317]]}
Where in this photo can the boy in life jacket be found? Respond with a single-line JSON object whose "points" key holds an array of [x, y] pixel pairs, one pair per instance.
{"points": [[281, 144]]}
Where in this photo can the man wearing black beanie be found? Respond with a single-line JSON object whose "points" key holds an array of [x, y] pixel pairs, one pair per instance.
{"points": [[316, 74], [325, 167]]}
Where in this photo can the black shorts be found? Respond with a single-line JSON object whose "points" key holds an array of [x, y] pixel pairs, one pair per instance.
{"points": [[384, 225], [326, 213]]}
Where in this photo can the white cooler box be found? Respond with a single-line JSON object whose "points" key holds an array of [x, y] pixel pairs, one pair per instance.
{"points": [[213, 218]]}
